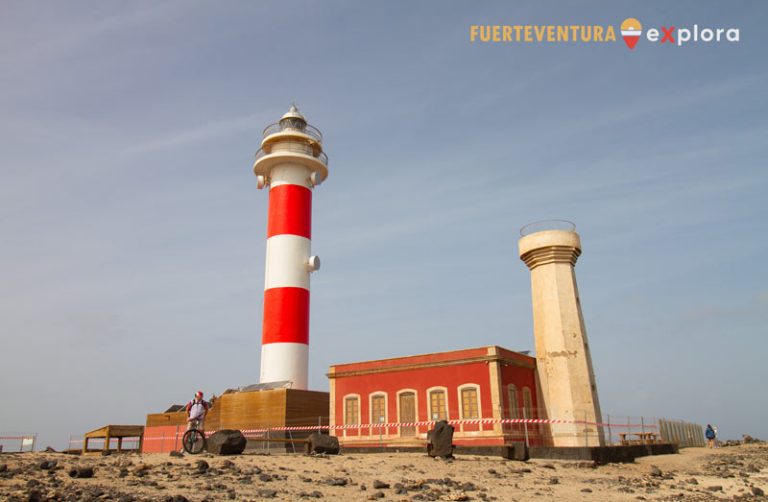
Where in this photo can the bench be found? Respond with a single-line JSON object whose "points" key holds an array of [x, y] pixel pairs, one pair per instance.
{"points": [[642, 438]]}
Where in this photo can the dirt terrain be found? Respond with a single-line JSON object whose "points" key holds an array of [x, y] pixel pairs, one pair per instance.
{"points": [[731, 473]]}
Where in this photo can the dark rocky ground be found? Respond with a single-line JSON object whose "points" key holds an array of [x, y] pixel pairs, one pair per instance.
{"points": [[738, 472]]}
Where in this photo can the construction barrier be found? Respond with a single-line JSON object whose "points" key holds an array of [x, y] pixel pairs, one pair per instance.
{"points": [[11, 442], [632, 431], [174, 433]]}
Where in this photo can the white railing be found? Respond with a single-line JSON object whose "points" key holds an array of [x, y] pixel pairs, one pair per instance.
{"points": [[322, 157], [307, 129]]}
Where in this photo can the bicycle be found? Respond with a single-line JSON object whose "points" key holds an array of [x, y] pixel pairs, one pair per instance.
{"points": [[193, 440]]}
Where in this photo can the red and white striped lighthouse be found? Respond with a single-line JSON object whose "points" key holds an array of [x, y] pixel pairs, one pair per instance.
{"points": [[291, 163]]}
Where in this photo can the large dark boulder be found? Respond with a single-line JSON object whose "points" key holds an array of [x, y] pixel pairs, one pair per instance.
{"points": [[322, 443], [517, 451], [227, 442], [81, 472], [47, 465], [440, 440]]}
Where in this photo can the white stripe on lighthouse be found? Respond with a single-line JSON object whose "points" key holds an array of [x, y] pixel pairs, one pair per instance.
{"points": [[285, 361], [290, 174], [287, 257]]}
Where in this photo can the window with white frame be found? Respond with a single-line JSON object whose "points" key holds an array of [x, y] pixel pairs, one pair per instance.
{"points": [[378, 408], [351, 410], [469, 396], [438, 404]]}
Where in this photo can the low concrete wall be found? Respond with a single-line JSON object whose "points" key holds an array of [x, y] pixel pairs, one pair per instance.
{"points": [[598, 454], [603, 454]]}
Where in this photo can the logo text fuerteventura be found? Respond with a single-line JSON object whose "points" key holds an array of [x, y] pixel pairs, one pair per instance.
{"points": [[630, 31]]}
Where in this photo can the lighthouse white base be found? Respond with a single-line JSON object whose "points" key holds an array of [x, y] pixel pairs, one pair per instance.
{"points": [[285, 361]]}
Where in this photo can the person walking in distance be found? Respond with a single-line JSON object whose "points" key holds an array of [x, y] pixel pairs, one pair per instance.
{"points": [[196, 410], [709, 433]]}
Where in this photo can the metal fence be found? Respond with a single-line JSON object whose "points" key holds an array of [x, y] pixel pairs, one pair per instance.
{"points": [[530, 426], [621, 429], [293, 148], [14, 442], [625, 430], [684, 434], [128, 444], [533, 429], [639, 430]]}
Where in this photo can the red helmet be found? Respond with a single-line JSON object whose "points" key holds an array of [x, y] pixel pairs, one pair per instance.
{"points": [[199, 393]]}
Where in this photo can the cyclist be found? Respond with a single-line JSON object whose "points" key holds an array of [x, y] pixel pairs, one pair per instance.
{"points": [[196, 410]]}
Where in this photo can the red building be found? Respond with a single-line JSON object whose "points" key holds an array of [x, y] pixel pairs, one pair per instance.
{"points": [[375, 401]]}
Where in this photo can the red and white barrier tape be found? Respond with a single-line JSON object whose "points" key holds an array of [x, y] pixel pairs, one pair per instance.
{"points": [[96, 440], [485, 421]]}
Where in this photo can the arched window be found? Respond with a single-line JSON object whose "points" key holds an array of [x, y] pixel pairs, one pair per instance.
{"points": [[352, 409], [528, 403], [469, 397], [438, 403], [514, 406], [378, 408]]}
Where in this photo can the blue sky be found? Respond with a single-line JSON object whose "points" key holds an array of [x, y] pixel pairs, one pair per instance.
{"points": [[133, 235]]}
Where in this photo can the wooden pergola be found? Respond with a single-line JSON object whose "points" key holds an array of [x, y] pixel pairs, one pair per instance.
{"points": [[118, 432]]}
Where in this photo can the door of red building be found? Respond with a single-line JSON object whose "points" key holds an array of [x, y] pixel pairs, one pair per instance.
{"points": [[407, 413]]}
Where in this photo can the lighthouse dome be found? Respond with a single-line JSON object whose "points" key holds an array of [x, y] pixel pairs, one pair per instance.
{"points": [[293, 119]]}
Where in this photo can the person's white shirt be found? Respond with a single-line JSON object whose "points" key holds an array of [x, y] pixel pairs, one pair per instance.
{"points": [[197, 409]]}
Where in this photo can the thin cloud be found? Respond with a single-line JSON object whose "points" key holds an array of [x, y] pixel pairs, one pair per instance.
{"points": [[68, 36], [200, 134]]}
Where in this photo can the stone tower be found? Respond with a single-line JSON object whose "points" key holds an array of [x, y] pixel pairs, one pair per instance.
{"points": [[564, 365]]}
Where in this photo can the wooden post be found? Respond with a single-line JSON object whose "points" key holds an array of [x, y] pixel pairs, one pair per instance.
{"points": [[629, 429], [106, 439], [610, 436], [119, 444], [525, 422]]}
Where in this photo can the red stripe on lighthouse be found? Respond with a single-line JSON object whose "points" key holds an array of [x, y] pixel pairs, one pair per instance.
{"points": [[290, 211], [286, 316]]}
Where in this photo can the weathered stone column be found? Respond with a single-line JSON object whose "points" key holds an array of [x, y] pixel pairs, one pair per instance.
{"points": [[563, 361]]}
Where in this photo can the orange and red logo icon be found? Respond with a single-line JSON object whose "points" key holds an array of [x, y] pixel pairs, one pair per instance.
{"points": [[631, 29]]}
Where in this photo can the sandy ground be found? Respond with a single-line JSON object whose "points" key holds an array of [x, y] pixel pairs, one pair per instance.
{"points": [[732, 473]]}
